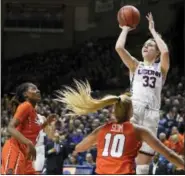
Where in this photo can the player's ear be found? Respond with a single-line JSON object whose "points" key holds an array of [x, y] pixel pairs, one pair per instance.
{"points": [[25, 94], [158, 53]]}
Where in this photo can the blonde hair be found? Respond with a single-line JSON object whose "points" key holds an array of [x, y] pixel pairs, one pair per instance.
{"points": [[80, 102]]}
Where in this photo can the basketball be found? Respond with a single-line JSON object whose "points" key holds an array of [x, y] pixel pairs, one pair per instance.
{"points": [[128, 16]]}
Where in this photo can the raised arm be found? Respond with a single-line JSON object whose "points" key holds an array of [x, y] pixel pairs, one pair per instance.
{"points": [[51, 118], [163, 48], [88, 142], [125, 56], [49, 125], [145, 135]]}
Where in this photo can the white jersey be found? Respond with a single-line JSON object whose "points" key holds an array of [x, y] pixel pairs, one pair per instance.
{"points": [[146, 85], [40, 138]]}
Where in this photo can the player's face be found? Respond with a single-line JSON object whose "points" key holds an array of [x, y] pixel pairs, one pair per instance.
{"points": [[33, 93], [149, 50]]}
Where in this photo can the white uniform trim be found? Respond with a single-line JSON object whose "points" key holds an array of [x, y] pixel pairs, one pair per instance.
{"points": [[40, 148]]}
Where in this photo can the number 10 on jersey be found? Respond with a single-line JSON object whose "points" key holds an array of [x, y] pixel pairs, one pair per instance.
{"points": [[116, 148]]}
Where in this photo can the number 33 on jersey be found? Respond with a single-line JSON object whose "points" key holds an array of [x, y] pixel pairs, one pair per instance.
{"points": [[146, 84]]}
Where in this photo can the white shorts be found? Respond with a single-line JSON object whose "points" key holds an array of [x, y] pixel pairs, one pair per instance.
{"points": [[148, 118], [40, 158]]}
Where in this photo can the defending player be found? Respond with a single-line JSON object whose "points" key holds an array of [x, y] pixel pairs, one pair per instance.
{"points": [[117, 142], [40, 149], [49, 130], [19, 151], [147, 79]]}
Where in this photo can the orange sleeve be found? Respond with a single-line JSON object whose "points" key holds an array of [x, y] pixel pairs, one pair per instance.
{"points": [[22, 111]]}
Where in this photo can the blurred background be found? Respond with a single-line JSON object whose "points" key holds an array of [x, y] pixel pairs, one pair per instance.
{"points": [[51, 42]]}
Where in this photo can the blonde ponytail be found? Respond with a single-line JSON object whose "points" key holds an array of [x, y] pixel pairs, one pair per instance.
{"points": [[80, 101]]}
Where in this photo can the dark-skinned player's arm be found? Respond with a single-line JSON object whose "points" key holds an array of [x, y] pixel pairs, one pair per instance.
{"points": [[21, 114], [15, 133], [145, 135], [88, 142]]}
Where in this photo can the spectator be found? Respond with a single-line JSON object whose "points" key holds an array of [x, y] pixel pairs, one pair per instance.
{"points": [[55, 153], [162, 138], [161, 124], [77, 123], [77, 136], [89, 160], [176, 131], [72, 160], [95, 123], [157, 167], [79, 157], [176, 143], [181, 121], [170, 121]]}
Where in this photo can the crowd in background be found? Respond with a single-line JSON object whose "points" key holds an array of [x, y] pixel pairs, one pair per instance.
{"points": [[98, 63], [94, 60]]}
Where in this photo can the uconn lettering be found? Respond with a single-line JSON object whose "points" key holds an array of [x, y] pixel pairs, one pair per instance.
{"points": [[149, 72]]}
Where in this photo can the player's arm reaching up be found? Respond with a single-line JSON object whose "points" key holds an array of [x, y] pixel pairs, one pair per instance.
{"points": [[145, 135], [88, 142], [49, 125], [51, 118], [125, 56], [163, 48]]}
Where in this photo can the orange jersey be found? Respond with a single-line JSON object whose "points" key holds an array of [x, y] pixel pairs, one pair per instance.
{"points": [[14, 159], [29, 124], [14, 156], [117, 149]]}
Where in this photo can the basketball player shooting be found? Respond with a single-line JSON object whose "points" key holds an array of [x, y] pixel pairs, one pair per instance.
{"points": [[147, 79]]}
